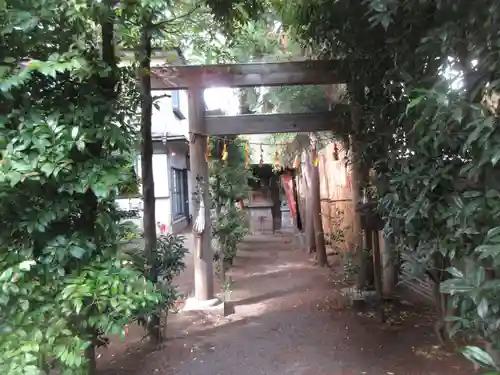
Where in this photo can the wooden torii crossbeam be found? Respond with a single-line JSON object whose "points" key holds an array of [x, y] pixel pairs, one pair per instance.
{"points": [[305, 72], [196, 79], [335, 120]]}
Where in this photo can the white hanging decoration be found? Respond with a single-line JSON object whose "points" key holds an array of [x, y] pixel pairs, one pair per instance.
{"points": [[199, 223]]}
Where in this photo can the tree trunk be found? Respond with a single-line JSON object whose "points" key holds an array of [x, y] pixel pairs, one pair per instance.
{"points": [[91, 360], [315, 192], [148, 189], [298, 219], [437, 276], [309, 215]]}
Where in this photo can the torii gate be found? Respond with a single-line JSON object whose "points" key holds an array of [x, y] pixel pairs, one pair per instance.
{"points": [[196, 79]]}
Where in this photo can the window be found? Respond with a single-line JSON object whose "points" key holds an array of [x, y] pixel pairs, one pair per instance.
{"points": [[176, 105], [180, 199]]}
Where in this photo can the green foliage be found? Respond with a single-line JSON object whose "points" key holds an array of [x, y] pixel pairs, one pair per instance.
{"points": [[229, 179], [229, 230], [131, 187], [295, 99]]}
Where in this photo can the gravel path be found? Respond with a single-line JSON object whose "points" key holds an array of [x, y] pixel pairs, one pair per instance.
{"points": [[289, 319]]}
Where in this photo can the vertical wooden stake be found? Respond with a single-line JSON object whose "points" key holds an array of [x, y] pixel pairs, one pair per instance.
{"points": [[309, 210], [377, 267], [203, 263], [356, 182], [389, 273]]}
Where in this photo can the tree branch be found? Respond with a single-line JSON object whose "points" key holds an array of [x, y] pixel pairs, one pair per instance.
{"points": [[155, 98], [174, 19]]}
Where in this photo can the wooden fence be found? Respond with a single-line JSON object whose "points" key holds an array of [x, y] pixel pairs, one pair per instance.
{"points": [[336, 197]]}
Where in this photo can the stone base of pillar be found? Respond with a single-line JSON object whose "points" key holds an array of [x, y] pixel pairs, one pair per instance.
{"points": [[214, 305]]}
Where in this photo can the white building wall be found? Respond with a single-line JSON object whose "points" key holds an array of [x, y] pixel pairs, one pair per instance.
{"points": [[164, 120], [161, 173]]}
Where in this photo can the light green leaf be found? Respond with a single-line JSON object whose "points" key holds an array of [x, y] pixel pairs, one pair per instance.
{"points": [[455, 272], [495, 158], [14, 177], [492, 233], [478, 356], [482, 308], [26, 265], [77, 251], [414, 102], [74, 132]]}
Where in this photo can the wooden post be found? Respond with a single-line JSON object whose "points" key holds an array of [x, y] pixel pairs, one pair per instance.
{"points": [[377, 268], [356, 183], [203, 257]]}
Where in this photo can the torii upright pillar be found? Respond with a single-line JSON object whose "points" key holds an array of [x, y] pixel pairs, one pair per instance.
{"points": [[203, 254]]}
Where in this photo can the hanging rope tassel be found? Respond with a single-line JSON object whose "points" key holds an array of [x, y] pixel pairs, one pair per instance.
{"points": [[246, 154], [261, 155], [277, 159], [224, 151], [208, 153]]}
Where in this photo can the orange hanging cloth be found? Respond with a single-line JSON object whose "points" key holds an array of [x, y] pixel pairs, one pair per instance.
{"points": [[296, 162], [277, 159], [208, 153], [246, 154], [224, 152]]}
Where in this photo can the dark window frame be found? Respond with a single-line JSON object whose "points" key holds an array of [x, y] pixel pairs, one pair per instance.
{"points": [[179, 194]]}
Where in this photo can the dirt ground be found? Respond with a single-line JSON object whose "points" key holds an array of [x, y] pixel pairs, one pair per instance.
{"points": [[289, 319]]}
